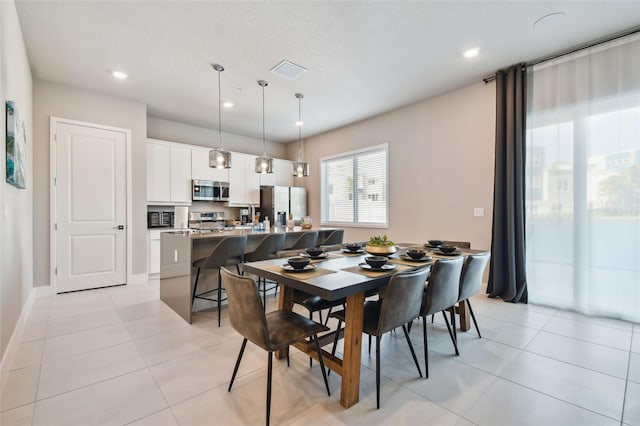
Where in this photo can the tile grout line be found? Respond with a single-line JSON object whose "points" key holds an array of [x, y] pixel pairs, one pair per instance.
{"points": [[626, 383]]}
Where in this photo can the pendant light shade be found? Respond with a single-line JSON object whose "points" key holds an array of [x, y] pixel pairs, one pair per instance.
{"points": [[218, 157], [300, 168], [264, 163]]}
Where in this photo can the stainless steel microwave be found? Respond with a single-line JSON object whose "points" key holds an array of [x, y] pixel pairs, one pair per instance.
{"points": [[209, 190]]}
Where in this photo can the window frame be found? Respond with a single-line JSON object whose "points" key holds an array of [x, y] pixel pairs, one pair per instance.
{"points": [[323, 188]]}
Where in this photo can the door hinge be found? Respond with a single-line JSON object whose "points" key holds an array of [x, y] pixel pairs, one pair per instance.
{"points": [[55, 226], [55, 271], [55, 181], [55, 137]]}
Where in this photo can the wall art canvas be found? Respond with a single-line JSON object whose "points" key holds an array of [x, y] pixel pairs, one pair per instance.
{"points": [[16, 148]]}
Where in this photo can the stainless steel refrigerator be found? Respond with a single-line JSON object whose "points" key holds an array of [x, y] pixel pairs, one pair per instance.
{"points": [[276, 202]]}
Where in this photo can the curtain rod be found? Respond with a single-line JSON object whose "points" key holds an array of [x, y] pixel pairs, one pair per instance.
{"points": [[575, 49]]}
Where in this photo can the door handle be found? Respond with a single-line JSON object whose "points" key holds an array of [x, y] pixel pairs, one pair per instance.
{"points": [[119, 227]]}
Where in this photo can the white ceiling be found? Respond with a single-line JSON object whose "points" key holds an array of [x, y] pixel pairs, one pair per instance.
{"points": [[364, 58]]}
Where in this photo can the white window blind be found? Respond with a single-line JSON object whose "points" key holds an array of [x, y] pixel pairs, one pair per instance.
{"points": [[355, 188]]}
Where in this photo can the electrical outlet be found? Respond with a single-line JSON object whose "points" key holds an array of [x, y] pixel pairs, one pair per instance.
{"points": [[478, 212]]}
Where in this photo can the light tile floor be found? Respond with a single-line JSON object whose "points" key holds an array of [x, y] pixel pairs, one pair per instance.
{"points": [[119, 356]]}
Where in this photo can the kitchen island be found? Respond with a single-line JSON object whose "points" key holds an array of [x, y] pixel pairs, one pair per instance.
{"points": [[178, 251]]}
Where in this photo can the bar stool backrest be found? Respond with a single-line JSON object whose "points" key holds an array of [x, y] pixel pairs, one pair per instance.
{"points": [[267, 248], [229, 251], [306, 239]]}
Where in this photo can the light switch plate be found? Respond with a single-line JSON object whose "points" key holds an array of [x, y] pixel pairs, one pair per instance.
{"points": [[478, 212]]}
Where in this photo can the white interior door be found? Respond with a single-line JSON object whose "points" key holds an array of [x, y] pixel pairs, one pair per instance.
{"points": [[90, 207]]}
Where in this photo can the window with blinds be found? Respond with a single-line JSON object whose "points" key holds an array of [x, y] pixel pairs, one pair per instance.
{"points": [[355, 188]]}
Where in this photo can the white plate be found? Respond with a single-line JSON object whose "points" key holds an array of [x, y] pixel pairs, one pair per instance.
{"points": [[321, 256], [289, 268], [386, 267]]}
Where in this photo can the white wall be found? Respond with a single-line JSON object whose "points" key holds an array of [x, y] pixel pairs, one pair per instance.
{"points": [[16, 231], [441, 166], [51, 99], [159, 128]]}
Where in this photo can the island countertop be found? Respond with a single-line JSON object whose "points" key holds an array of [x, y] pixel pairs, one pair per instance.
{"points": [[179, 249]]}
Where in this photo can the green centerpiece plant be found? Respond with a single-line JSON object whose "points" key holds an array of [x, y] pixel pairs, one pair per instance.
{"points": [[380, 245]]}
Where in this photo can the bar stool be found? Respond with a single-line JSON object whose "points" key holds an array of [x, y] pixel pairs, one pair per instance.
{"points": [[306, 239], [228, 252], [267, 249], [333, 238]]}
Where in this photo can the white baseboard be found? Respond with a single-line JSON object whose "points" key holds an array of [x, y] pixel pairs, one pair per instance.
{"points": [[43, 291], [14, 341], [138, 279]]}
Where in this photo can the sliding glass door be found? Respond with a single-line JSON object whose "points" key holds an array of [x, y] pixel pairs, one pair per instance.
{"points": [[583, 181]]}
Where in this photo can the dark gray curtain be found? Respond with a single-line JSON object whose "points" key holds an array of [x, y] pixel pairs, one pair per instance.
{"points": [[507, 271]]}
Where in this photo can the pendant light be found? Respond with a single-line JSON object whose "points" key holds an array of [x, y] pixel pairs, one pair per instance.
{"points": [[264, 163], [218, 157], [300, 168]]}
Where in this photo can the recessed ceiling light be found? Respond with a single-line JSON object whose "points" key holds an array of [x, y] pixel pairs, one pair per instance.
{"points": [[227, 104], [120, 75], [471, 52], [298, 123]]}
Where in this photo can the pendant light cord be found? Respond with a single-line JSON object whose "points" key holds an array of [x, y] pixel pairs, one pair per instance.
{"points": [[262, 84], [219, 114], [300, 128]]}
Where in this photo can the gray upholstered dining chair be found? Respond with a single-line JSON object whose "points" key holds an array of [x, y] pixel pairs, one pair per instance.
{"points": [[272, 332], [440, 294], [400, 305], [266, 249], [471, 281], [228, 252], [459, 244]]}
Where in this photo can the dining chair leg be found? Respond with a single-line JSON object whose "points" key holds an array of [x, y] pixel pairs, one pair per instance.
{"points": [[426, 347], [326, 320], [269, 371], [432, 317], [219, 297], [369, 344], [324, 372], [195, 286], [409, 325], [453, 339], [453, 322], [473, 317], [377, 371], [335, 342], [413, 353], [264, 294], [310, 359], [235, 369]]}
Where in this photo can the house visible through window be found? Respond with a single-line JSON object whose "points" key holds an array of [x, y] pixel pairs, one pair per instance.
{"points": [[355, 188]]}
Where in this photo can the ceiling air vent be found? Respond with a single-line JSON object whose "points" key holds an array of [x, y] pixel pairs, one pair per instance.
{"points": [[288, 70]]}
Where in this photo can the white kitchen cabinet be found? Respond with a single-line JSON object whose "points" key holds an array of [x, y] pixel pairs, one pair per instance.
{"points": [[153, 250], [284, 172], [200, 166], [158, 174], [168, 173], [244, 182]]}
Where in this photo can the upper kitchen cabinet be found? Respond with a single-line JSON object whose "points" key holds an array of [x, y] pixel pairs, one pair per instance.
{"points": [[200, 166], [168, 173], [244, 182], [282, 174]]}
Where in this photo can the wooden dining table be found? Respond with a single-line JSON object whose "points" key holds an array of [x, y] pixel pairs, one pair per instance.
{"points": [[335, 277]]}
